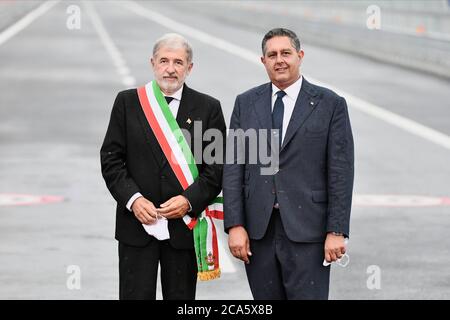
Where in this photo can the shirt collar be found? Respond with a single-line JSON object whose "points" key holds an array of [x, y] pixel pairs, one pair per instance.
{"points": [[292, 91], [177, 95]]}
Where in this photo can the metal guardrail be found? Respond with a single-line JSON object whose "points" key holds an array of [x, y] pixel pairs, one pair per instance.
{"points": [[413, 34], [418, 48]]}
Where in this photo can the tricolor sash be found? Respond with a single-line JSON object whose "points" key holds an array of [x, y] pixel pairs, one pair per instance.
{"points": [[182, 162]]}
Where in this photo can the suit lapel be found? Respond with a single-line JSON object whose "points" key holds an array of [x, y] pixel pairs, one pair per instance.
{"points": [[185, 116], [307, 100], [263, 108]]}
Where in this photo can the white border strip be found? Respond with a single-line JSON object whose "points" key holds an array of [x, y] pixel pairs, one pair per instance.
{"points": [[26, 21], [177, 153], [209, 241], [401, 122], [113, 51]]}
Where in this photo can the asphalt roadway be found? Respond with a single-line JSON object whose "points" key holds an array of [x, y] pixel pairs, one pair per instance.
{"points": [[57, 87]]}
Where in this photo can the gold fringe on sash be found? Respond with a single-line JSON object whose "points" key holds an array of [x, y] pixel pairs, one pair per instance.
{"points": [[208, 275]]}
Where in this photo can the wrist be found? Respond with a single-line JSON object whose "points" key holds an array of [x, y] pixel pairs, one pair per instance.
{"points": [[238, 226], [188, 203]]}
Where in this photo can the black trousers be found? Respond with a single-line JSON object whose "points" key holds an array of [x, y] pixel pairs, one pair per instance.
{"points": [[138, 271], [281, 269]]}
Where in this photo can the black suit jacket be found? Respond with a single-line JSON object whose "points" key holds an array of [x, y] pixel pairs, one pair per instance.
{"points": [[313, 180], [132, 161]]}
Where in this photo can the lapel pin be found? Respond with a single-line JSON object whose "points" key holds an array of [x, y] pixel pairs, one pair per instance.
{"points": [[189, 121], [312, 103]]}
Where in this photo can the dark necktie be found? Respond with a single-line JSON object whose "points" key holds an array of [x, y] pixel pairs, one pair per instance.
{"points": [[169, 99], [277, 115], [277, 123]]}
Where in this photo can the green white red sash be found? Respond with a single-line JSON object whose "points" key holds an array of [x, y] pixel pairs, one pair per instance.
{"points": [[182, 162]]}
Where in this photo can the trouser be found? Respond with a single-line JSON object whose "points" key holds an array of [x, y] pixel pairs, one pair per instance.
{"points": [[282, 269], [138, 271]]}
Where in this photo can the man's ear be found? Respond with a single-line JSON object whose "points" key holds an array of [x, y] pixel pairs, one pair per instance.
{"points": [[190, 66], [152, 62], [263, 60], [301, 54]]}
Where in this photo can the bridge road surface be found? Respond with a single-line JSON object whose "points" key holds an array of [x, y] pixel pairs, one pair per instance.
{"points": [[57, 89]]}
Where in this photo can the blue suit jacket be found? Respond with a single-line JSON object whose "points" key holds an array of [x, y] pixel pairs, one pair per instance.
{"points": [[314, 178]]}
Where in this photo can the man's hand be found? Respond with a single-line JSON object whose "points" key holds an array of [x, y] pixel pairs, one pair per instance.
{"points": [[175, 207], [239, 243], [334, 247], [144, 211]]}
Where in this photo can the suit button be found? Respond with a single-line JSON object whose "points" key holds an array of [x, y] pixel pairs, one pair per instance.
{"points": [[163, 176], [273, 191]]}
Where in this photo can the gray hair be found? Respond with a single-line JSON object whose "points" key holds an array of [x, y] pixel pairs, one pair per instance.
{"points": [[281, 32], [174, 41]]}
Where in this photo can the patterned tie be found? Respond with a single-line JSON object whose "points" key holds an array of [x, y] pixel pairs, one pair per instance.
{"points": [[277, 115]]}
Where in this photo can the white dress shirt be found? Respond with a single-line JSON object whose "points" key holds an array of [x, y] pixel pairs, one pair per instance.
{"points": [[174, 105], [289, 100]]}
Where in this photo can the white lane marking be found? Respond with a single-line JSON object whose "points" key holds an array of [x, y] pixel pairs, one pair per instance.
{"points": [[26, 21], [398, 200], [190, 31], [15, 199], [119, 62], [392, 118], [359, 200]]}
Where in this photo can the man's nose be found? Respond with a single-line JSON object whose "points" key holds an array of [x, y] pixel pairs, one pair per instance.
{"points": [[279, 58], [171, 67]]}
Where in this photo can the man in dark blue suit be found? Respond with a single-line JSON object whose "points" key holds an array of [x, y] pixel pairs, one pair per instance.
{"points": [[285, 223]]}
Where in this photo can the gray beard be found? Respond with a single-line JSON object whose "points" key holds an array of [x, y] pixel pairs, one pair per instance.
{"points": [[169, 87]]}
